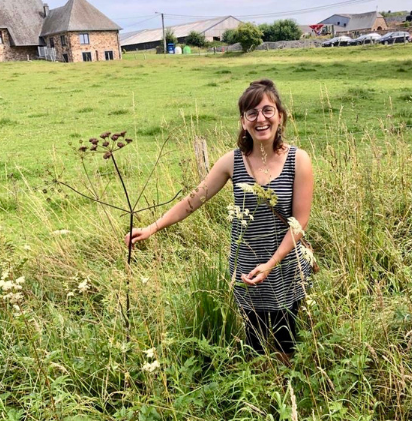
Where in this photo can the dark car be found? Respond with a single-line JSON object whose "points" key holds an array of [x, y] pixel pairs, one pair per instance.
{"points": [[341, 41], [395, 37], [371, 38]]}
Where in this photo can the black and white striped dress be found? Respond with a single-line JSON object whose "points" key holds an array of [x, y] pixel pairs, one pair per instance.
{"points": [[256, 243]]}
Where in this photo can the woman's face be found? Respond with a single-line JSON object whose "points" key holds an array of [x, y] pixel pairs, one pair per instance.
{"points": [[267, 119]]}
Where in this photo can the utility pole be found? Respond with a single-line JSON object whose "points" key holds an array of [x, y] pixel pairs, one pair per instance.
{"points": [[164, 35]]}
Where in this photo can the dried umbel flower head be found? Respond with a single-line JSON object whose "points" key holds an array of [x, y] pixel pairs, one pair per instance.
{"points": [[94, 141], [107, 155], [105, 144], [105, 135], [115, 137], [123, 134], [83, 148], [128, 140], [120, 145]]}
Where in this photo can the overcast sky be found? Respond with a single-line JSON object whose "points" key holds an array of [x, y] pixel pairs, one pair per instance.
{"points": [[133, 15]]}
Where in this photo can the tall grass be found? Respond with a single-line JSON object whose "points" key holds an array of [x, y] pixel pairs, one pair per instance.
{"points": [[65, 357]]}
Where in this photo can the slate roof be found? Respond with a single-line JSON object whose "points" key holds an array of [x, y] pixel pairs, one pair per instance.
{"points": [[357, 21], [77, 15], [151, 35], [23, 19]]}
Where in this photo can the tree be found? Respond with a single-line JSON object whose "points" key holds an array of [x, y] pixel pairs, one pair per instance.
{"points": [[286, 30], [170, 36], [229, 36], [249, 36], [196, 39], [267, 30]]}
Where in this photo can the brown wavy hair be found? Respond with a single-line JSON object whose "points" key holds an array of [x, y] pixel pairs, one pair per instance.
{"points": [[252, 96]]}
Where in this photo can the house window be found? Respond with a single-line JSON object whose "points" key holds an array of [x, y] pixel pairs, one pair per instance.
{"points": [[65, 58], [63, 40], [84, 38], [87, 56], [1, 38], [108, 55], [51, 42]]}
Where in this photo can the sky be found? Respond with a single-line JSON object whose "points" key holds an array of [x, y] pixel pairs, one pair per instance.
{"points": [[133, 15]]}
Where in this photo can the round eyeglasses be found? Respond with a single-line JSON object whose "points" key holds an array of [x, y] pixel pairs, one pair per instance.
{"points": [[252, 115]]}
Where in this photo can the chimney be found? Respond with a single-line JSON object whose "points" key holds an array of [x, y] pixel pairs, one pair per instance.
{"points": [[46, 9]]}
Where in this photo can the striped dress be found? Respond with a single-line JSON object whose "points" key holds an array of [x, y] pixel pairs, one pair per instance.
{"points": [[256, 243]]}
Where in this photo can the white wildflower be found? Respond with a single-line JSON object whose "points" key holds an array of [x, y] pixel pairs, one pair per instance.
{"points": [[150, 353], [4, 275], [307, 254], [295, 226], [248, 188], [144, 280], [6, 285], [70, 294], [20, 280], [61, 232], [150, 367], [26, 247], [84, 286], [244, 222]]}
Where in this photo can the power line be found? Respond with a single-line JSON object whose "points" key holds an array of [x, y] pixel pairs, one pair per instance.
{"points": [[288, 12]]}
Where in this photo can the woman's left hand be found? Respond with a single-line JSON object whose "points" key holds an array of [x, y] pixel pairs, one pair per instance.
{"points": [[258, 274]]}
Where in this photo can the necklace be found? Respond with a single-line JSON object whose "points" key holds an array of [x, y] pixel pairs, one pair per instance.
{"points": [[264, 168]]}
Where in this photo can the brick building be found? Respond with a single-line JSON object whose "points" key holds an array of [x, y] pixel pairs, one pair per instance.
{"points": [[74, 32]]}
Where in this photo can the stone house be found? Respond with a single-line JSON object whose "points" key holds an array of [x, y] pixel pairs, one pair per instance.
{"points": [[356, 23], [74, 32]]}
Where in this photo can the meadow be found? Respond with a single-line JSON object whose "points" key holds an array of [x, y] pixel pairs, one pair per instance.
{"points": [[69, 351]]}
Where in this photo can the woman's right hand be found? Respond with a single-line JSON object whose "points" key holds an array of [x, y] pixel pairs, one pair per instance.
{"points": [[138, 234]]}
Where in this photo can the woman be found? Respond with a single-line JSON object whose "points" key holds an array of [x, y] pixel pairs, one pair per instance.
{"points": [[265, 262]]}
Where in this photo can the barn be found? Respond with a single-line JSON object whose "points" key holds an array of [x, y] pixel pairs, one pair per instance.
{"points": [[146, 39]]}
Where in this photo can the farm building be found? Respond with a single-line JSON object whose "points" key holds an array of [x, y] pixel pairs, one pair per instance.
{"points": [[370, 21], [74, 32], [146, 39]]}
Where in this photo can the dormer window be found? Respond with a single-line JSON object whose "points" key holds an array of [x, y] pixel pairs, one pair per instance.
{"points": [[84, 38]]}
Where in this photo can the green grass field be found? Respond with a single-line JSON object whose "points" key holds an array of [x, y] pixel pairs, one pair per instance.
{"points": [[66, 353]]}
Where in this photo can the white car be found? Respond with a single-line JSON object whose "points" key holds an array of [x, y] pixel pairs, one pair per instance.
{"points": [[371, 38]]}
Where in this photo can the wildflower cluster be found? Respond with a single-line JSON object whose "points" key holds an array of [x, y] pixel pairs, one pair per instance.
{"points": [[307, 254], [267, 196], [82, 287], [11, 290], [295, 226], [242, 216], [150, 366], [103, 144]]}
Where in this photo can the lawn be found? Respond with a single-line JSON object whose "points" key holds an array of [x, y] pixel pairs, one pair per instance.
{"points": [[67, 351]]}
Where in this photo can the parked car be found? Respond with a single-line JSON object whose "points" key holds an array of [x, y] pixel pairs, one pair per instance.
{"points": [[395, 37], [371, 38], [337, 41]]}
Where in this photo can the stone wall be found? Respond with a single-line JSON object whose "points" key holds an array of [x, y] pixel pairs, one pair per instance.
{"points": [[100, 41], [9, 53]]}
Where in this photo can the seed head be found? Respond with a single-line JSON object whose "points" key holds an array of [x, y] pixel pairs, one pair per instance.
{"points": [[106, 144], [128, 141], [122, 134], [83, 148], [115, 137], [93, 141], [107, 155], [93, 148], [120, 145], [105, 135]]}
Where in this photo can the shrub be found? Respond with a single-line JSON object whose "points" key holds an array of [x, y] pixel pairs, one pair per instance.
{"points": [[196, 39], [229, 36], [281, 30], [249, 36]]}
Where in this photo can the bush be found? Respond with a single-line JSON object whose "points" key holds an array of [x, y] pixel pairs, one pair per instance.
{"points": [[249, 36], [281, 30], [229, 36], [196, 39]]}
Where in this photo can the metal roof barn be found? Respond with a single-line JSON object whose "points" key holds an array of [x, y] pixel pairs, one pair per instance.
{"points": [[145, 39]]}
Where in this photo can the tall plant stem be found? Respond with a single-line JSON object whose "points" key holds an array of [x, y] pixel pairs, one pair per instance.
{"points": [[129, 254]]}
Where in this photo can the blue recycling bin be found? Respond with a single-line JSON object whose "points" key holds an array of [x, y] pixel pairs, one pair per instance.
{"points": [[171, 48]]}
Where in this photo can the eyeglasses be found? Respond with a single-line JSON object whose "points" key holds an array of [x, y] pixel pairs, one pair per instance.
{"points": [[252, 115]]}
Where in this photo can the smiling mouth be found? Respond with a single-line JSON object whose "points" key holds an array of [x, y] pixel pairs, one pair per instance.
{"points": [[262, 128]]}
